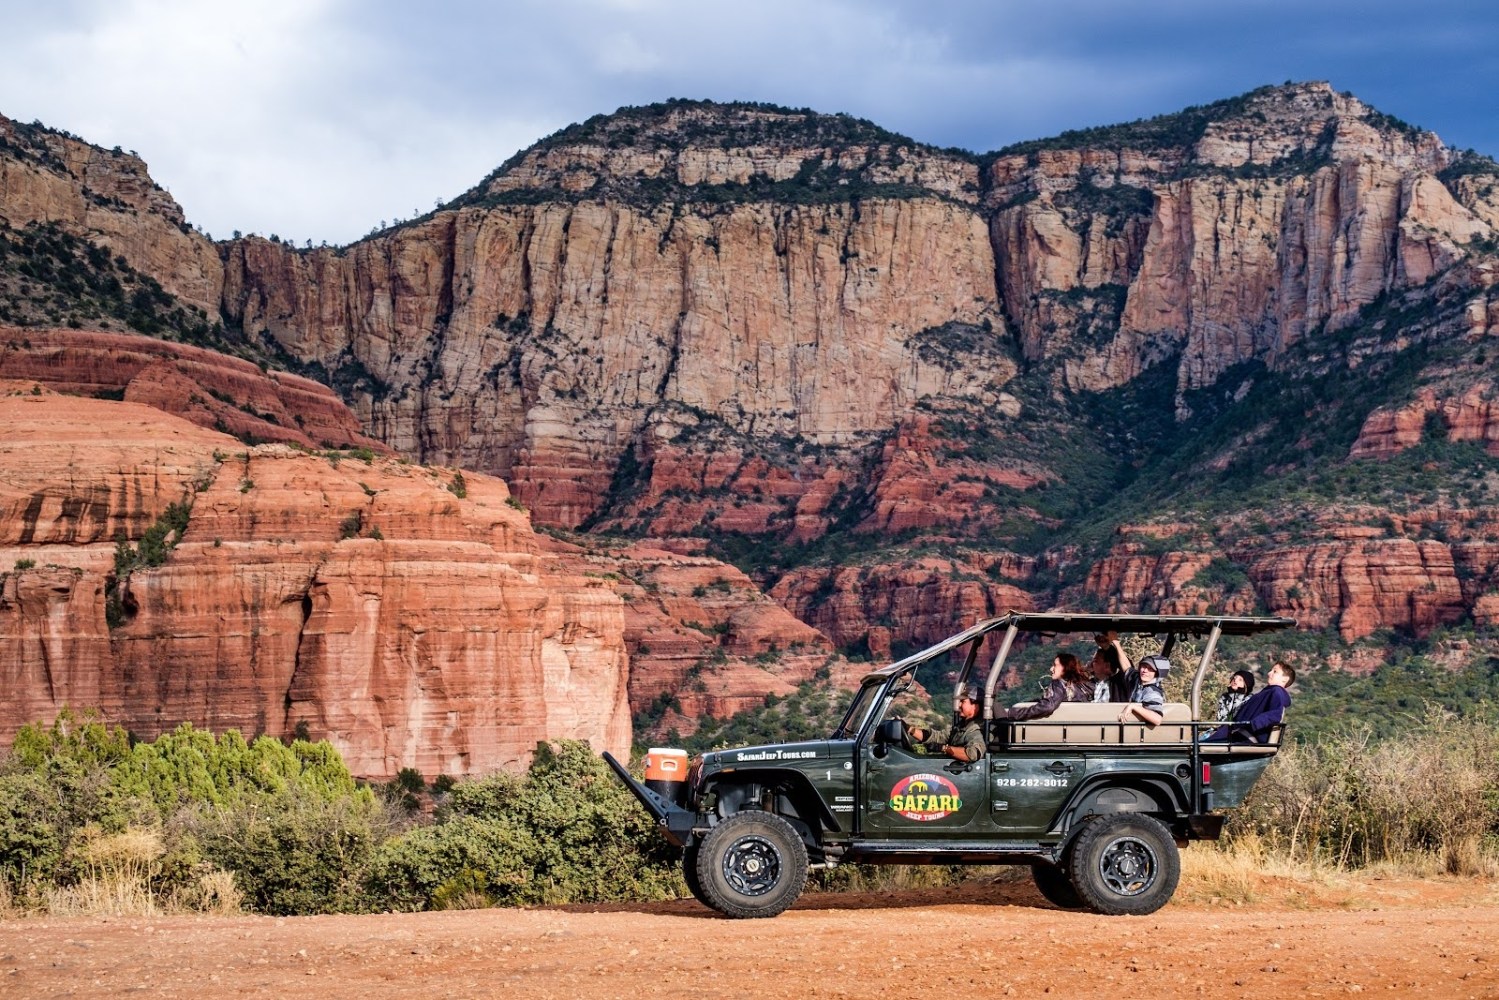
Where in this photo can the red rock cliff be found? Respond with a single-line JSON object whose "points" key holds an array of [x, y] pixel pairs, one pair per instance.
{"points": [[205, 387], [409, 625]]}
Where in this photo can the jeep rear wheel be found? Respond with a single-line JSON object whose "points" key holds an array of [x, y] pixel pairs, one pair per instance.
{"points": [[1125, 864], [752, 864], [1056, 885]]}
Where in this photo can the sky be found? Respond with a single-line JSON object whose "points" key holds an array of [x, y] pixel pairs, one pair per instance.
{"points": [[323, 119]]}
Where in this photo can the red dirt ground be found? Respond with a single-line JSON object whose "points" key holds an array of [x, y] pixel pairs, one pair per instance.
{"points": [[985, 938]]}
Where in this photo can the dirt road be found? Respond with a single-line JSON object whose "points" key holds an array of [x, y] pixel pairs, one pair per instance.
{"points": [[983, 939]]}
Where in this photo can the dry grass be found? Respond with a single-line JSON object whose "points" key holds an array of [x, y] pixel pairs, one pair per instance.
{"points": [[1246, 872], [1350, 802], [217, 893], [116, 875], [119, 875]]}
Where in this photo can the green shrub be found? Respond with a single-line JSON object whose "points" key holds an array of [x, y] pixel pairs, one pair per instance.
{"points": [[295, 854], [288, 822], [566, 832]]}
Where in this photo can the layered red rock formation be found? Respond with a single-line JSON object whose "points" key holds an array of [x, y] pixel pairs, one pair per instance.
{"points": [[411, 626], [1468, 414], [205, 387], [548, 340], [871, 609], [1359, 575], [674, 322], [702, 635], [538, 342], [1299, 211]]}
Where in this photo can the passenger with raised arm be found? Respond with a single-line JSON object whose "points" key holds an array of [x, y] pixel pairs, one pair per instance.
{"points": [[1240, 687], [1147, 702], [1067, 684], [965, 741], [1112, 675], [1257, 718]]}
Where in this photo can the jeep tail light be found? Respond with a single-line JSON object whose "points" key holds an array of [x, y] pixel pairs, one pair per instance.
{"points": [[1207, 773]]}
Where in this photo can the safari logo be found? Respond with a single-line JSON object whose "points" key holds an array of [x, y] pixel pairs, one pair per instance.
{"points": [[925, 797]]}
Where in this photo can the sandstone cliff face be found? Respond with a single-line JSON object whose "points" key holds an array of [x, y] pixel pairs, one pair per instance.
{"points": [[1291, 212], [770, 327], [109, 199], [665, 146], [590, 300], [202, 386], [703, 640], [539, 342], [1467, 414], [411, 627], [886, 611]]}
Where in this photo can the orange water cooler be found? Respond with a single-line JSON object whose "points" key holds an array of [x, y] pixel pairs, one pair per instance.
{"points": [[666, 773]]}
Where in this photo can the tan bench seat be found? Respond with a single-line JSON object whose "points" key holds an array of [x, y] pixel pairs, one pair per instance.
{"points": [[1246, 749], [1098, 723]]}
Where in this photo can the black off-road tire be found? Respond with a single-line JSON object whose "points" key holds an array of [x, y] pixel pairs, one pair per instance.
{"points": [[1125, 864], [1056, 885], [752, 864], [689, 874]]}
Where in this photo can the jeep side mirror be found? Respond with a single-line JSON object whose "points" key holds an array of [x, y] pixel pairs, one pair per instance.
{"points": [[890, 731]]}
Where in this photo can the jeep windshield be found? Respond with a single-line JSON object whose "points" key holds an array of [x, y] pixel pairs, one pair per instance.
{"points": [[859, 710], [875, 681]]}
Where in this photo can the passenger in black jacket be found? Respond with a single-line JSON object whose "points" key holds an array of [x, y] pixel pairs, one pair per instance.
{"points": [[1067, 684]]}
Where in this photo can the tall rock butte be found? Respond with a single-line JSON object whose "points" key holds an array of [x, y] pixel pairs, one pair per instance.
{"points": [[664, 276], [734, 316], [407, 614]]}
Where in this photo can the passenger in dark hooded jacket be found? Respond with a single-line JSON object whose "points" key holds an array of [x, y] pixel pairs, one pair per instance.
{"points": [[1240, 687]]}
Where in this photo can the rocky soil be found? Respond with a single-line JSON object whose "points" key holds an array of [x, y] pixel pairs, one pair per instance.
{"points": [[985, 938]]}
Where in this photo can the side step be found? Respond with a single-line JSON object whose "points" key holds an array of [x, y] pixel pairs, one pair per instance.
{"points": [[925, 852]]}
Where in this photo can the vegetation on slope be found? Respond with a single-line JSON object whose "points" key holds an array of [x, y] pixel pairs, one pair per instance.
{"points": [[49, 277], [93, 823]]}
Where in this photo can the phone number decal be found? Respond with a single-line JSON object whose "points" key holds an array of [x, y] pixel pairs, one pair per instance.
{"points": [[1031, 782]]}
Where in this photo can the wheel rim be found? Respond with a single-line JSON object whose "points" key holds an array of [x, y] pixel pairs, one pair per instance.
{"points": [[1128, 866], [752, 866]]}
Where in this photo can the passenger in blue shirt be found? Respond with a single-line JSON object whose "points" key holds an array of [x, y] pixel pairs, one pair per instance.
{"points": [[1258, 717]]}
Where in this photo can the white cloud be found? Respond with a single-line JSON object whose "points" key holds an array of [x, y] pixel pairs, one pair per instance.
{"points": [[319, 118]]}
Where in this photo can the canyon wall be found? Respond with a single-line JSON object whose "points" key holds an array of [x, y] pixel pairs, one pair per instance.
{"points": [[407, 614]]}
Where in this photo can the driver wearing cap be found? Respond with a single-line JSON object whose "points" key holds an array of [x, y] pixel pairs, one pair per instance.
{"points": [[965, 741]]}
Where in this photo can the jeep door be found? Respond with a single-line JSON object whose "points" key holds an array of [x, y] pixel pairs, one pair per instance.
{"points": [[1029, 786], [904, 795]]}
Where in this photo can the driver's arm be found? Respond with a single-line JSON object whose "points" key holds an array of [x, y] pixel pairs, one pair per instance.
{"points": [[971, 749]]}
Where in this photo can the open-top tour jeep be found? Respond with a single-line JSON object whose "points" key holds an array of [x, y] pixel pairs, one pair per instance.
{"points": [[1096, 807]]}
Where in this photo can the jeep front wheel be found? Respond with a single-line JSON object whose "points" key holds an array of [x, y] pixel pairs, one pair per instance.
{"points": [[1125, 864], [689, 874], [752, 864]]}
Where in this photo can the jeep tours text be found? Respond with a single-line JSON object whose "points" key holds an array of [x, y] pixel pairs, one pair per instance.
{"points": [[1096, 807]]}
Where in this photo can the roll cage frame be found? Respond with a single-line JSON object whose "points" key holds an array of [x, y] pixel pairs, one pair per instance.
{"points": [[1050, 623]]}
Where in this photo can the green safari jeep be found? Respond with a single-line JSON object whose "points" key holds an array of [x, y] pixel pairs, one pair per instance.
{"points": [[1096, 807]]}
